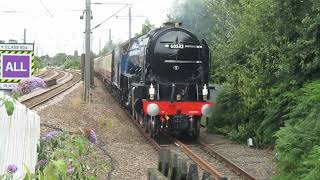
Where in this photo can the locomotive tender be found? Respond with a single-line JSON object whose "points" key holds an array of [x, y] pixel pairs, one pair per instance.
{"points": [[161, 78]]}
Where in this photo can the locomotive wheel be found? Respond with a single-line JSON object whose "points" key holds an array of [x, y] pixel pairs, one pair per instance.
{"points": [[146, 124], [153, 130], [135, 115], [140, 119], [196, 129]]}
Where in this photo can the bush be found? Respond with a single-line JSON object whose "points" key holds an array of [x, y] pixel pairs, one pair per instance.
{"points": [[270, 51], [298, 143], [66, 156], [72, 64], [69, 156], [278, 106]]}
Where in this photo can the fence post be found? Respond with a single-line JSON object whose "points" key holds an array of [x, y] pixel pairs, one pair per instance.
{"points": [[154, 174], [182, 170], [193, 172], [163, 164], [173, 165], [206, 176]]}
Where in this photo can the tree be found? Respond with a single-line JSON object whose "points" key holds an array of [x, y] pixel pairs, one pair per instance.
{"points": [[59, 59], [39, 62], [266, 54], [262, 60], [146, 27]]}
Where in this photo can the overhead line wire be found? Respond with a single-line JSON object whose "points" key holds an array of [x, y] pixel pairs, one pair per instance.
{"points": [[47, 10], [110, 17]]}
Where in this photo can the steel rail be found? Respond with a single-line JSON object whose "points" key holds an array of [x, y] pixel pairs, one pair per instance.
{"points": [[202, 163], [59, 76], [56, 90], [238, 170], [198, 160], [48, 90]]}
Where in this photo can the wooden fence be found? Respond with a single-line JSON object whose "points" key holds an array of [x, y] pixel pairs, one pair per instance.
{"points": [[19, 137], [174, 166]]}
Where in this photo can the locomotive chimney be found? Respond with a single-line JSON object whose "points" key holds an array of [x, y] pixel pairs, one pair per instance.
{"points": [[172, 24]]}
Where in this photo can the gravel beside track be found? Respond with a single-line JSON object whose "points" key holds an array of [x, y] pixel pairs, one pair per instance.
{"points": [[130, 154], [258, 162]]}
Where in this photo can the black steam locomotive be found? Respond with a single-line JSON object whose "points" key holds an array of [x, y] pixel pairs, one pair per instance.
{"points": [[162, 79]]}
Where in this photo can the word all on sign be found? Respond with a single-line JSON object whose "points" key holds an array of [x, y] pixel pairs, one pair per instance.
{"points": [[16, 66]]}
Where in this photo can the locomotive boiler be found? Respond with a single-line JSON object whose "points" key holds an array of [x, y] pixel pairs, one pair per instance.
{"points": [[162, 79]]}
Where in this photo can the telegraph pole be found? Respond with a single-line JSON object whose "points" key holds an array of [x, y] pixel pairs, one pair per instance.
{"points": [[99, 45], [87, 64], [129, 23], [24, 35], [110, 40]]}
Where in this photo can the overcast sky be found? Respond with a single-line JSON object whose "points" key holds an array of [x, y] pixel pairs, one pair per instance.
{"points": [[55, 25]]}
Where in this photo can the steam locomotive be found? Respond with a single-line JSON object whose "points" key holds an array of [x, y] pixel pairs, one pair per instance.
{"points": [[162, 79]]}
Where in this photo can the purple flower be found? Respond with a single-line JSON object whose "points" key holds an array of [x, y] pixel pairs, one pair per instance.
{"points": [[28, 85], [37, 83], [24, 87], [12, 168], [52, 134], [41, 163], [90, 134], [70, 171]]}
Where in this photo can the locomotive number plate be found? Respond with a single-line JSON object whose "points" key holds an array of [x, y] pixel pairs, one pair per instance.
{"points": [[176, 46]]}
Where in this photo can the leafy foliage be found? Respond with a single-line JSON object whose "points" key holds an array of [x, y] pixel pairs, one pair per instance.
{"points": [[146, 27], [298, 143], [65, 156], [266, 55], [68, 156], [262, 59], [73, 63], [8, 105], [39, 62]]}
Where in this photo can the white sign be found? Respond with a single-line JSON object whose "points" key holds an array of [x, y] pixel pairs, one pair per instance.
{"points": [[16, 47], [8, 85]]}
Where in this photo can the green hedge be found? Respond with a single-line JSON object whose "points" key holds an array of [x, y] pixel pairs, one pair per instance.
{"points": [[298, 143]]}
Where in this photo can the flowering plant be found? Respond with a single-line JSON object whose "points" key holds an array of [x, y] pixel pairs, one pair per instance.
{"points": [[11, 169], [69, 156], [24, 87]]}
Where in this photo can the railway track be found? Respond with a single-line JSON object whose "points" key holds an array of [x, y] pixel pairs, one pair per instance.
{"points": [[47, 73], [202, 154], [52, 92]]}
